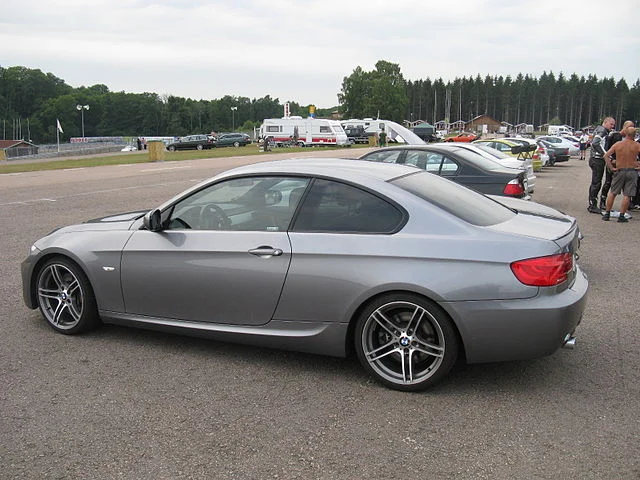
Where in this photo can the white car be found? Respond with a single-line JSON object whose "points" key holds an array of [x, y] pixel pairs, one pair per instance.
{"points": [[501, 158], [574, 147]]}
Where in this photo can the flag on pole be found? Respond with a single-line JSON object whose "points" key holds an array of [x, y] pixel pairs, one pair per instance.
{"points": [[59, 126]]}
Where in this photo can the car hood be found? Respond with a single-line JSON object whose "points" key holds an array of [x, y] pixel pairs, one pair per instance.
{"points": [[120, 221]]}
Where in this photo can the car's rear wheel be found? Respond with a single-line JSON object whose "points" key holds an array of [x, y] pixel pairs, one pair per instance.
{"points": [[199, 147], [65, 297], [407, 342], [171, 148], [236, 144]]}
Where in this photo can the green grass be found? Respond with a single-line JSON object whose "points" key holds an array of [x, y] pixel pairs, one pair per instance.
{"points": [[135, 157]]}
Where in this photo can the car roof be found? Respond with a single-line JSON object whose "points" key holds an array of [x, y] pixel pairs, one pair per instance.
{"points": [[511, 143], [346, 169]]}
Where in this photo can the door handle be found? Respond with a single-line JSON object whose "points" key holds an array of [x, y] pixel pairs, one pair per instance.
{"points": [[266, 252]]}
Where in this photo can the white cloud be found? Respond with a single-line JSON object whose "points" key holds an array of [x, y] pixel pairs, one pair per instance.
{"points": [[301, 50]]}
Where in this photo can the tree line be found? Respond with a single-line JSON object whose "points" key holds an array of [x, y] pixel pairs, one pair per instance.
{"points": [[31, 101], [549, 99]]}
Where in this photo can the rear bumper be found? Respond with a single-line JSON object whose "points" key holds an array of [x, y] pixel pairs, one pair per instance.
{"points": [[504, 330]]}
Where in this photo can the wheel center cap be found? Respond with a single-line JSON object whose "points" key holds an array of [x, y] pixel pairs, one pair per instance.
{"points": [[63, 296], [405, 341]]}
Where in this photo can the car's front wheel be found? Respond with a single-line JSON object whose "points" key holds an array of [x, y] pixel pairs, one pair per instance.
{"points": [[65, 297], [407, 342], [171, 148], [199, 147]]}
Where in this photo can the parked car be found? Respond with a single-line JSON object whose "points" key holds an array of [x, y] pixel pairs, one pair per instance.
{"points": [[463, 137], [574, 147], [232, 140], [557, 152], [503, 159], [533, 151], [328, 256], [190, 142], [458, 165], [521, 148]]}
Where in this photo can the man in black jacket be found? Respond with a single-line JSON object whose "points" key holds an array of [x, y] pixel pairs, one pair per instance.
{"points": [[596, 162]]}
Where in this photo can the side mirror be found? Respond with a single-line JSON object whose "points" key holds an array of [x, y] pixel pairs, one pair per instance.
{"points": [[152, 221]]}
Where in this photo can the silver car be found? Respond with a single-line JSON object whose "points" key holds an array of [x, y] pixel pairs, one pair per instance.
{"points": [[408, 270]]}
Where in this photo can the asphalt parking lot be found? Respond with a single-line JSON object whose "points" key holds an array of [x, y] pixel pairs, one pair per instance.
{"points": [[134, 404]]}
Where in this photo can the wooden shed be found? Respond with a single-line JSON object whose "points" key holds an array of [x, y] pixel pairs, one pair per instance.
{"points": [[16, 148], [483, 124]]}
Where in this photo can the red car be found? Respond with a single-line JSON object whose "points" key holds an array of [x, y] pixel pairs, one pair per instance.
{"points": [[463, 137]]}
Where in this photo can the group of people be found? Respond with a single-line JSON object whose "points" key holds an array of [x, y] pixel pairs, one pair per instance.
{"points": [[615, 155]]}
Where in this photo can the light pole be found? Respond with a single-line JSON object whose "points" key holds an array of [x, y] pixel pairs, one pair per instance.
{"points": [[233, 118], [82, 108]]}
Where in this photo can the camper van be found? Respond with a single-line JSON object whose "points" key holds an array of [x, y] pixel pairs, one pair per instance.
{"points": [[559, 129], [304, 132]]}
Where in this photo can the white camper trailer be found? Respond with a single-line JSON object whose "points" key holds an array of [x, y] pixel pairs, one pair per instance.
{"points": [[304, 132]]}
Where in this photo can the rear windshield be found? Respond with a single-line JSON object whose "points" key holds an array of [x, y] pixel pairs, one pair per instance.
{"points": [[475, 159], [464, 203]]}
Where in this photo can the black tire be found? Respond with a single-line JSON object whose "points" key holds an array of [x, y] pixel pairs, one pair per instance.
{"points": [[65, 297], [236, 144], [199, 146], [171, 148], [405, 341]]}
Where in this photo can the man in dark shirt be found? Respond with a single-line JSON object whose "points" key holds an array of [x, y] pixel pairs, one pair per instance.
{"points": [[596, 162]]}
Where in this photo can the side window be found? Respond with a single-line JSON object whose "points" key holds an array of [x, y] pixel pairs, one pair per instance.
{"points": [[503, 147], [417, 158], [387, 156], [240, 204], [434, 160], [449, 167], [325, 129], [340, 208]]}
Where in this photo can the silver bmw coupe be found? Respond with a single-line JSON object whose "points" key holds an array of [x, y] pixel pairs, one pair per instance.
{"points": [[407, 269]]}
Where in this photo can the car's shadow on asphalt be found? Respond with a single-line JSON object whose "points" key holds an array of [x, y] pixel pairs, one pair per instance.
{"points": [[520, 376]]}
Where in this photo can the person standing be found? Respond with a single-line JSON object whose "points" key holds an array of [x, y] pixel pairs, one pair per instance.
{"points": [[596, 162], [612, 138], [382, 138], [625, 172], [584, 141]]}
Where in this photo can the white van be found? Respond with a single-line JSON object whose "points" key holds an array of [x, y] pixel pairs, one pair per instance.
{"points": [[306, 131], [559, 129]]}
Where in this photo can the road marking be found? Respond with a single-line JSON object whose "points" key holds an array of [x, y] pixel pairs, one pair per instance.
{"points": [[165, 168], [94, 192]]}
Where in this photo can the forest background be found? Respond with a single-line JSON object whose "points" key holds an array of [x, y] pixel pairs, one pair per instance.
{"points": [[32, 101]]}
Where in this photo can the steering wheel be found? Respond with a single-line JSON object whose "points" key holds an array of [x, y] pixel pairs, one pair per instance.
{"points": [[212, 217]]}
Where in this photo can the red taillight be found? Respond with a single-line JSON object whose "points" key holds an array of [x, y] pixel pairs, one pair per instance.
{"points": [[543, 271], [514, 188]]}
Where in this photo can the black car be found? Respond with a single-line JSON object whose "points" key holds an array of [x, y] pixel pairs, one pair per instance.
{"points": [[190, 142], [232, 140], [459, 165]]}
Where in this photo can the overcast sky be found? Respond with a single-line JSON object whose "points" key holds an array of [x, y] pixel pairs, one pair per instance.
{"points": [[301, 50]]}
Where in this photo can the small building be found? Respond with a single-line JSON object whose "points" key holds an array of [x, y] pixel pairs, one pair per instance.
{"points": [[483, 124], [16, 148], [458, 125], [442, 125]]}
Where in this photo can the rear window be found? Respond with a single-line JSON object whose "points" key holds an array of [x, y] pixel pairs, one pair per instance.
{"points": [[464, 203], [476, 159]]}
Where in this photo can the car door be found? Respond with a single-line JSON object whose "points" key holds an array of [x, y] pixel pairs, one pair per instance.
{"points": [[340, 240], [221, 258]]}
